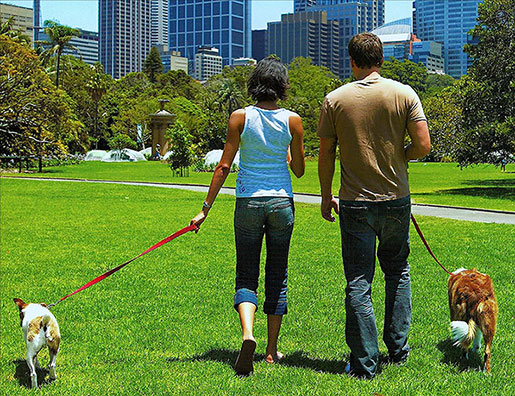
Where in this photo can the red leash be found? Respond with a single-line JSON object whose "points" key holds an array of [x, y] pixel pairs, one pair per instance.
{"points": [[426, 244], [191, 227]]}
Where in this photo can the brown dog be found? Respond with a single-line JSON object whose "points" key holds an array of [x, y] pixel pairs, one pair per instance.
{"points": [[474, 309]]}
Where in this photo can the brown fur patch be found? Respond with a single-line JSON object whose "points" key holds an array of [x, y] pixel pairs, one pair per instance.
{"points": [[34, 328], [56, 337]]}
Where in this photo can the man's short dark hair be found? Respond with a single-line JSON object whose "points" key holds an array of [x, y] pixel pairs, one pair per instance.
{"points": [[269, 80], [366, 50]]}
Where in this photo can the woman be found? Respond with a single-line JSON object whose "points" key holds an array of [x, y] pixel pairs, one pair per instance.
{"points": [[269, 138]]}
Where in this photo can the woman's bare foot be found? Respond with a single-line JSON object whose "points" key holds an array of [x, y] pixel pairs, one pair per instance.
{"points": [[273, 357]]}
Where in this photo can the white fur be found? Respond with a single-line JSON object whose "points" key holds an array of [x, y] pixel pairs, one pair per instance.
{"points": [[459, 270], [459, 331], [31, 312]]}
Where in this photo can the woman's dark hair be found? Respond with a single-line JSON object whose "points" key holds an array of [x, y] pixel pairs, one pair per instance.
{"points": [[269, 80], [366, 50]]}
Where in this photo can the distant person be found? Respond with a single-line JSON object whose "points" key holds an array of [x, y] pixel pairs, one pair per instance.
{"points": [[504, 161], [368, 120], [269, 138], [157, 155]]}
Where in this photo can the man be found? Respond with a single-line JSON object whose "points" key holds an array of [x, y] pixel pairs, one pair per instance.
{"points": [[368, 119]]}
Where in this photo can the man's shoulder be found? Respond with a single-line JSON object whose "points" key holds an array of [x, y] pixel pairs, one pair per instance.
{"points": [[396, 85]]}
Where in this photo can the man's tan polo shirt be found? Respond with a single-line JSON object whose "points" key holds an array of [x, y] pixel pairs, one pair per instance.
{"points": [[369, 118]]}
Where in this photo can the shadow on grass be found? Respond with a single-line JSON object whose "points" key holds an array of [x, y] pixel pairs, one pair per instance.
{"points": [[454, 356], [484, 192], [296, 359], [22, 374]]}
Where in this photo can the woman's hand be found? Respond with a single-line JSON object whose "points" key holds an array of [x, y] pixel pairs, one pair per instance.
{"points": [[199, 219]]}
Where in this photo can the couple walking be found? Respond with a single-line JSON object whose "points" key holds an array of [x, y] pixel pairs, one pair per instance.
{"points": [[368, 120]]}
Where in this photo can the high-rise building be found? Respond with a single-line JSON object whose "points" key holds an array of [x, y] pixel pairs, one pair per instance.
{"points": [[208, 62], [354, 16], [22, 17], [308, 34], [160, 9], [124, 35], [400, 43], [447, 22], [172, 60], [259, 43], [222, 24]]}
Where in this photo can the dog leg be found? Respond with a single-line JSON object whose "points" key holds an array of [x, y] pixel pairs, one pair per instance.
{"points": [[476, 346], [51, 364], [32, 368]]}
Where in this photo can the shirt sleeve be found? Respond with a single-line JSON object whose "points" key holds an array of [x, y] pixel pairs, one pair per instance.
{"points": [[416, 112], [326, 126]]}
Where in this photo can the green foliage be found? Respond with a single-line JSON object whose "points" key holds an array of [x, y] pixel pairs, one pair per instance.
{"points": [[17, 36], [120, 142], [406, 72], [436, 83], [59, 37], [489, 99], [308, 86], [35, 118], [180, 145], [153, 65]]}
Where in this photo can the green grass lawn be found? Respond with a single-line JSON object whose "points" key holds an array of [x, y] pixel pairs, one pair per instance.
{"points": [[165, 323], [482, 186]]}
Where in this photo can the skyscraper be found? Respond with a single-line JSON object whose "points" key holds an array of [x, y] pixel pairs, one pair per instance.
{"points": [[124, 35], [447, 22], [354, 16], [221, 24], [308, 34], [160, 22]]}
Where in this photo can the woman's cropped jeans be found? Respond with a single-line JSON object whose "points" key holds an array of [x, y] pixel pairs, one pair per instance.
{"points": [[361, 222], [254, 218]]}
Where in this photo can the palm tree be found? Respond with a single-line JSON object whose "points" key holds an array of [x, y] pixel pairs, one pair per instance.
{"points": [[230, 94], [58, 39], [17, 36], [97, 86]]}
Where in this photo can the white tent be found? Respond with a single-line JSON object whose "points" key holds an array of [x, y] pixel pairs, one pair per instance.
{"points": [[95, 155], [167, 155], [125, 155], [214, 157], [147, 151]]}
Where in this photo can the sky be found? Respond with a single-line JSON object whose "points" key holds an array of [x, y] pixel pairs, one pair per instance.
{"points": [[84, 13]]}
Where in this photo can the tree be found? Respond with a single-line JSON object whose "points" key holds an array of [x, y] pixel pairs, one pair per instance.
{"points": [[35, 117], [153, 65], [436, 83], [180, 142], [59, 37], [120, 141], [308, 86], [97, 86], [406, 72], [489, 92], [16, 35]]}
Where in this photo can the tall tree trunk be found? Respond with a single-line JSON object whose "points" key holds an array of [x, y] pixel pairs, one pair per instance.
{"points": [[58, 67]]}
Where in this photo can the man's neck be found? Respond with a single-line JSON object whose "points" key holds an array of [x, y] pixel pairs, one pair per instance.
{"points": [[362, 74]]}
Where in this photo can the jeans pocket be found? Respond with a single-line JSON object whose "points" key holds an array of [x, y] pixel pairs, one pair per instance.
{"points": [[354, 218], [281, 214], [399, 214]]}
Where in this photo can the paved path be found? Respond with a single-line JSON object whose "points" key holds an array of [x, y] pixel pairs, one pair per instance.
{"points": [[467, 214]]}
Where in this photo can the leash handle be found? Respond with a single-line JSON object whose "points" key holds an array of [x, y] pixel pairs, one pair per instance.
{"points": [[191, 227], [419, 231]]}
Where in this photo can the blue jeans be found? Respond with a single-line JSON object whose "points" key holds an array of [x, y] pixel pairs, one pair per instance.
{"points": [[254, 218], [361, 222]]}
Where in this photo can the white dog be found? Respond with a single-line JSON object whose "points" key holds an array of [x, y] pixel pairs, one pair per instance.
{"points": [[40, 329]]}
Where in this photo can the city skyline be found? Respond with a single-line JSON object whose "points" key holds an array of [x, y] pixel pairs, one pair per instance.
{"points": [[83, 14]]}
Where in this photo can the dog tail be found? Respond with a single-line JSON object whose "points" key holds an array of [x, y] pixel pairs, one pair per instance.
{"points": [[45, 320], [463, 333]]}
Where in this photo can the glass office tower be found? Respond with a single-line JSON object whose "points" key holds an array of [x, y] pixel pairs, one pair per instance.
{"points": [[124, 35], [222, 24], [447, 22]]}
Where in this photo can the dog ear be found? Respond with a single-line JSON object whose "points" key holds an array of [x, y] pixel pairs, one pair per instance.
{"points": [[20, 303]]}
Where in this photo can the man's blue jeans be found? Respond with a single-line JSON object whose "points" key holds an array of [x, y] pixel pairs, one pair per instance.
{"points": [[361, 222], [272, 217]]}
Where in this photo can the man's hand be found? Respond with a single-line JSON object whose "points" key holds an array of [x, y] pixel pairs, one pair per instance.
{"points": [[328, 204]]}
